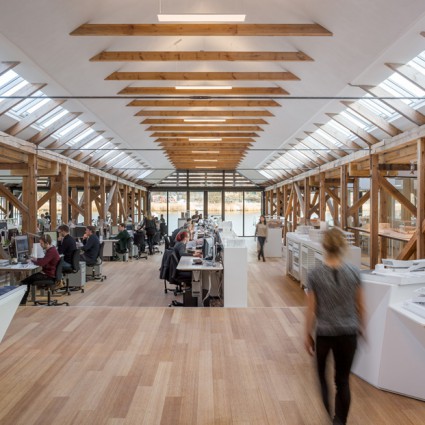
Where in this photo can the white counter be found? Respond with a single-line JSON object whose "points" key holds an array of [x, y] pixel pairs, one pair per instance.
{"points": [[9, 303]]}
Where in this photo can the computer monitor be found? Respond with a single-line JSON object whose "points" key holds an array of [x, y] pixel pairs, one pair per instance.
{"points": [[79, 231], [53, 236], [207, 248], [114, 230], [3, 225], [21, 246]]}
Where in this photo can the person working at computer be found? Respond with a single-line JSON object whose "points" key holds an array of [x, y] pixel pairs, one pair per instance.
{"points": [[66, 245], [180, 247], [122, 238], [91, 246], [48, 263]]}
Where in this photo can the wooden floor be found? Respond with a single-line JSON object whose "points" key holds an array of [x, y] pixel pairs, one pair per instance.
{"points": [[118, 356]]}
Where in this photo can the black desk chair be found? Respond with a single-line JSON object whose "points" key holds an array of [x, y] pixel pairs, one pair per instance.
{"points": [[96, 266], [75, 268], [140, 242], [49, 284], [179, 278], [167, 242]]}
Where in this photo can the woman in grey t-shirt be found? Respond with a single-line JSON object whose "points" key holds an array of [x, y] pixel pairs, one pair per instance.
{"points": [[335, 306]]}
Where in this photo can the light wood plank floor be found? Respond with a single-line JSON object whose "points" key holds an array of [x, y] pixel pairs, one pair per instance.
{"points": [[109, 359]]}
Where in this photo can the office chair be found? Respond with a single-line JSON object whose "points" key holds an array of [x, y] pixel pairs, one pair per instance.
{"points": [[123, 255], [75, 268], [164, 271], [49, 284], [97, 266], [167, 242], [178, 278], [140, 242], [156, 243]]}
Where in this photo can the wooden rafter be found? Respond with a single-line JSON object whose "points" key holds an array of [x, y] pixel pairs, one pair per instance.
{"points": [[396, 194], [202, 128], [145, 56], [202, 76], [27, 90], [339, 136], [189, 113], [228, 30], [229, 121], [335, 152], [352, 211], [6, 66], [4, 191], [216, 134], [70, 135], [140, 91], [205, 103]]}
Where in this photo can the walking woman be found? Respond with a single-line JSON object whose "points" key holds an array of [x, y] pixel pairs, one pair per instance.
{"points": [[335, 306], [261, 233]]}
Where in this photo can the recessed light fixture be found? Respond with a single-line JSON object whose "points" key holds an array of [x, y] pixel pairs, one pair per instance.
{"points": [[205, 139], [201, 17], [205, 120], [203, 87], [205, 160], [206, 152]]}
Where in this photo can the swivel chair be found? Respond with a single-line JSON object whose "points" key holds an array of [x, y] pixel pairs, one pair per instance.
{"points": [[75, 268], [96, 267], [140, 242], [178, 278], [123, 255], [49, 283]]}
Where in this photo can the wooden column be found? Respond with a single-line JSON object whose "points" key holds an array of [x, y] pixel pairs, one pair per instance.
{"points": [[356, 221], [64, 175], [344, 197], [295, 208], [420, 204], [74, 197], [87, 200], [322, 197], [102, 190], [307, 200], [266, 203], [54, 210], [114, 206], [139, 205], [133, 203], [278, 200], [384, 202], [374, 210], [29, 196]]}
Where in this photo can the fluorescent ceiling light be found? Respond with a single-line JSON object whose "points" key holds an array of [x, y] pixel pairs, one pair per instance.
{"points": [[205, 160], [205, 139], [205, 151], [201, 17], [205, 120], [203, 87]]}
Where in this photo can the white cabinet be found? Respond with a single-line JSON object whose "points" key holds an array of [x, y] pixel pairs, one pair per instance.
{"points": [[273, 245], [9, 303]]}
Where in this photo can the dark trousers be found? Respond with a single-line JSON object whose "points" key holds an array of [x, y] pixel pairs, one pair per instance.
{"points": [[32, 280], [150, 243], [261, 241], [343, 348]]}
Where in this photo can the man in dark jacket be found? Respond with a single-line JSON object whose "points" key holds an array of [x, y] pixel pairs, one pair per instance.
{"points": [[66, 245], [122, 237], [91, 246]]}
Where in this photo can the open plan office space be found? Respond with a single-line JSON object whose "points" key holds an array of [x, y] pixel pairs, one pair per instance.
{"points": [[311, 113]]}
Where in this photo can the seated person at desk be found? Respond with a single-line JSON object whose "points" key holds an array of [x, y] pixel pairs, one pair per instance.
{"points": [[122, 237], [91, 246], [66, 245], [48, 263], [180, 247]]}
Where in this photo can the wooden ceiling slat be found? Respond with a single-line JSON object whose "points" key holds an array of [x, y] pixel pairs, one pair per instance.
{"points": [[202, 128], [182, 121], [69, 136], [125, 56], [188, 113], [202, 76], [215, 134], [205, 103], [203, 92], [27, 90], [6, 66], [32, 118], [269, 30]]}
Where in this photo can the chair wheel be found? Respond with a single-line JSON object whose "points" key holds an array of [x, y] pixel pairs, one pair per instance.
{"points": [[101, 279]]}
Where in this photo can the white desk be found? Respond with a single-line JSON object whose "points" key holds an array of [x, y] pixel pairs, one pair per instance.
{"points": [[392, 357], [9, 303], [186, 264]]}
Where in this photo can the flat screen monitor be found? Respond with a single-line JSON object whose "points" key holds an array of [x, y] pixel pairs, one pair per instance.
{"points": [[3, 225], [21, 246], [114, 230], [79, 231], [207, 248], [53, 236]]}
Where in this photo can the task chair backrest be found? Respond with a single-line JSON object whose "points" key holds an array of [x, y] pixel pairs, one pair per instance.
{"points": [[100, 254], [167, 242], [75, 260], [59, 274]]}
